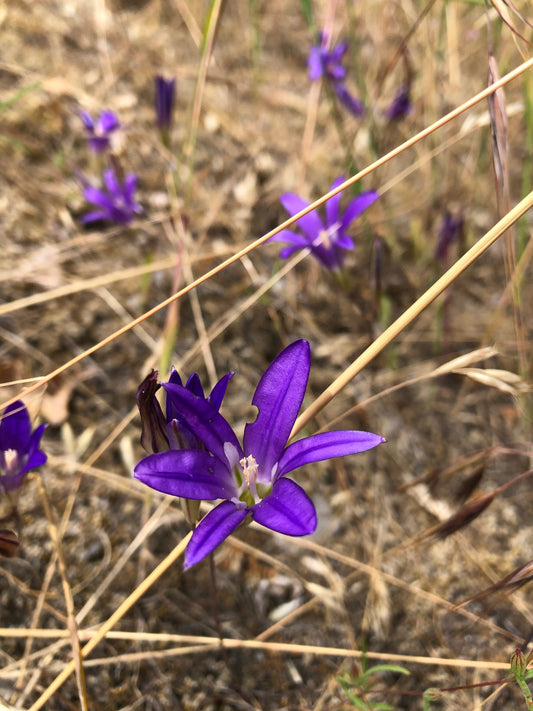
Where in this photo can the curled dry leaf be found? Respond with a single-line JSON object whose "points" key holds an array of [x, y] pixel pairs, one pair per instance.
{"points": [[9, 543]]}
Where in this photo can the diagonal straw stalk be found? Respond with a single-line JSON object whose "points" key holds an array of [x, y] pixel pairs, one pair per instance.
{"points": [[414, 311]]}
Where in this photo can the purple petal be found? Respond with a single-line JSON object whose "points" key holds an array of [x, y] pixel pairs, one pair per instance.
{"points": [[175, 377], [218, 392], [449, 231], [214, 528], [328, 257], [338, 52], [344, 241], [204, 421], [355, 106], [287, 252], [278, 397], [401, 104], [188, 473], [95, 216], [332, 205], [87, 120], [164, 101], [11, 482], [99, 144], [195, 386], [311, 223], [15, 428], [315, 63], [298, 240], [111, 182], [98, 197], [36, 458], [287, 509], [179, 433], [357, 206], [108, 121], [130, 185], [325, 446]]}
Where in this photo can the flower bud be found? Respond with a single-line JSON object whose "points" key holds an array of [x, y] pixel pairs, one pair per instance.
{"points": [[518, 663], [154, 435]]}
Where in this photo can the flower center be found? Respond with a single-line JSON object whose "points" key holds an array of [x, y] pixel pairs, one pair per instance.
{"points": [[326, 238], [249, 469], [11, 460]]}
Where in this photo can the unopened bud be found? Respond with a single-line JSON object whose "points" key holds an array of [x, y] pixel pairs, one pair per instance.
{"points": [[154, 435], [518, 663]]}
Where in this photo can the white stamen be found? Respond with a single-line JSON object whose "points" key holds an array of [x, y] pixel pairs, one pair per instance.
{"points": [[249, 469]]}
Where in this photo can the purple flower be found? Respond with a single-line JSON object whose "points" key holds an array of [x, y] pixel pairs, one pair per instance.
{"points": [[326, 242], [161, 432], [401, 104], [19, 446], [251, 479], [99, 132], [165, 92], [328, 64], [449, 231], [116, 202]]}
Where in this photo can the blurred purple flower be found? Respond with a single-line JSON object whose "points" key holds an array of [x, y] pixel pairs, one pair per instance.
{"points": [[354, 105], [99, 132], [326, 242], [165, 92], [449, 231], [250, 479], [328, 64], [401, 104], [116, 202], [19, 446]]}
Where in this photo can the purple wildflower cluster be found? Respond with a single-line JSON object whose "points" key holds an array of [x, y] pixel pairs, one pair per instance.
{"points": [[115, 200], [194, 453], [204, 459], [326, 63]]}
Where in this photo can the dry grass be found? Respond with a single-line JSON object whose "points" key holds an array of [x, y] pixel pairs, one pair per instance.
{"points": [[406, 532]]}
